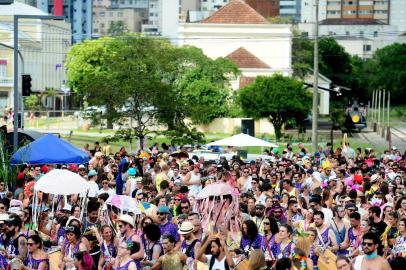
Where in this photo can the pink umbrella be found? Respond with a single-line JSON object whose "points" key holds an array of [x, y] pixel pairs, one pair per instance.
{"points": [[214, 207], [216, 189]]}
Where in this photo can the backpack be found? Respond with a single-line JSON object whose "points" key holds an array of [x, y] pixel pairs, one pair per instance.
{"points": [[226, 267]]}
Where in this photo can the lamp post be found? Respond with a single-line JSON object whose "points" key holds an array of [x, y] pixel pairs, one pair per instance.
{"points": [[15, 49], [315, 111]]}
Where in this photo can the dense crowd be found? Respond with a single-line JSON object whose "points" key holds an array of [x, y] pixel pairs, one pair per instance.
{"points": [[338, 208]]}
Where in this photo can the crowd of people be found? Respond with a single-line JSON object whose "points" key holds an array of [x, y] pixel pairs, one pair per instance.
{"points": [[338, 208]]}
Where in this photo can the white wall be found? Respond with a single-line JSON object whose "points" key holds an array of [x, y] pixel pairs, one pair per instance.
{"points": [[168, 23], [308, 10], [270, 43], [398, 14]]}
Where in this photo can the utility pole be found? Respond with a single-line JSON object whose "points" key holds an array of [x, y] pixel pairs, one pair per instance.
{"points": [[16, 77], [373, 106], [315, 113]]}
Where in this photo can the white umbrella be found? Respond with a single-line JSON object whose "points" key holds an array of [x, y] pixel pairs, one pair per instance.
{"points": [[61, 182], [242, 140]]}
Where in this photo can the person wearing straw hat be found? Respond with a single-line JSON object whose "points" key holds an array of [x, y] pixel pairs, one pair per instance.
{"points": [[127, 232], [190, 244]]}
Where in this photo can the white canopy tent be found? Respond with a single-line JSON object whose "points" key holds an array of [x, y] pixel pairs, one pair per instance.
{"points": [[242, 140]]}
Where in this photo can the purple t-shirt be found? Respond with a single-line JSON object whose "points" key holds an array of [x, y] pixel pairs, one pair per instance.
{"points": [[170, 228], [257, 243]]}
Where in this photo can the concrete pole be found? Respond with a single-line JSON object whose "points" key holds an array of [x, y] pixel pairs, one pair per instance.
{"points": [[388, 119], [15, 75], [373, 104], [379, 108], [316, 81], [383, 107]]}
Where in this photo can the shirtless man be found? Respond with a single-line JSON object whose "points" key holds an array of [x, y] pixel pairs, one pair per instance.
{"points": [[371, 260], [244, 182]]}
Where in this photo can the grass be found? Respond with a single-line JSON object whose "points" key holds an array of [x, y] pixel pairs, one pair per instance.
{"points": [[81, 140]]}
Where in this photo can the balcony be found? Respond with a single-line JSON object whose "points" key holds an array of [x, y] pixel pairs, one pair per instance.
{"points": [[6, 82]]}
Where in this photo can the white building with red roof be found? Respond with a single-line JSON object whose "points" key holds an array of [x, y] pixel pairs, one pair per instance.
{"points": [[238, 32]]}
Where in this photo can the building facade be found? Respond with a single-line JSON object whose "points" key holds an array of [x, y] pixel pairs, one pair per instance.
{"points": [[43, 47], [267, 8], [78, 13], [290, 9], [163, 18], [348, 9]]}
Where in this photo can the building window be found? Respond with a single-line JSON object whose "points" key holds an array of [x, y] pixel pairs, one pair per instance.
{"points": [[95, 30], [102, 14], [347, 33], [330, 33], [120, 14], [375, 33], [361, 33], [3, 68], [367, 48]]}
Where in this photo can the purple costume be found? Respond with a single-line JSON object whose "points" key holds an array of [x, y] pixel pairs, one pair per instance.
{"points": [[325, 238], [34, 263], [187, 247], [170, 228], [125, 266], [282, 253], [246, 244], [108, 251]]}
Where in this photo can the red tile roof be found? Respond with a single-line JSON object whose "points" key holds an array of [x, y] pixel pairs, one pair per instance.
{"points": [[244, 59], [236, 12], [244, 81]]}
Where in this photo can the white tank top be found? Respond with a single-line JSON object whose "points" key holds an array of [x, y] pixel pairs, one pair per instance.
{"points": [[358, 262]]}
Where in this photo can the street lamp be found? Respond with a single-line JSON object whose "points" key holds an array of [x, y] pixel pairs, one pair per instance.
{"points": [[15, 49], [315, 112]]}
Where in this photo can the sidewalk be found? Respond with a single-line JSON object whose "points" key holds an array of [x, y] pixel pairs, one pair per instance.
{"points": [[377, 140]]}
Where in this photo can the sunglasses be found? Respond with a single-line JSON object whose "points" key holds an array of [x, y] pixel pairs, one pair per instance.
{"points": [[177, 199], [161, 214], [184, 207], [277, 212], [105, 183], [266, 223], [259, 208], [30, 244], [367, 244], [69, 229]]}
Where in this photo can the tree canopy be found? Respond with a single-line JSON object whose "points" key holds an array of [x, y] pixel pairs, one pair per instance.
{"points": [[277, 98], [147, 82]]}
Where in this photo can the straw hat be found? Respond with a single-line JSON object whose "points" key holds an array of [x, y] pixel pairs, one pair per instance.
{"points": [[186, 227]]}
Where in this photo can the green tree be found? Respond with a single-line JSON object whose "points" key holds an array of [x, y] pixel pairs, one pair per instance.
{"points": [[387, 70], [147, 82], [117, 28], [302, 54], [335, 62], [277, 98], [31, 102]]}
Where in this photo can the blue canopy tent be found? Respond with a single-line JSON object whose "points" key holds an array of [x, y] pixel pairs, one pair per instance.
{"points": [[49, 149]]}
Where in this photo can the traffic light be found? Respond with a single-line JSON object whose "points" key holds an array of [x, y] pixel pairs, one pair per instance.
{"points": [[26, 85]]}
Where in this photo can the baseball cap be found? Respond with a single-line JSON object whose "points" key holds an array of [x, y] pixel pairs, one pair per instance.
{"points": [[92, 173], [132, 171], [81, 166], [350, 206], [163, 209]]}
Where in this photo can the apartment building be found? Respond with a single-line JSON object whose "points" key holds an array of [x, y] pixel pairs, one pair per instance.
{"points": [[358, 9], [77, 12], [130, 14]]}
